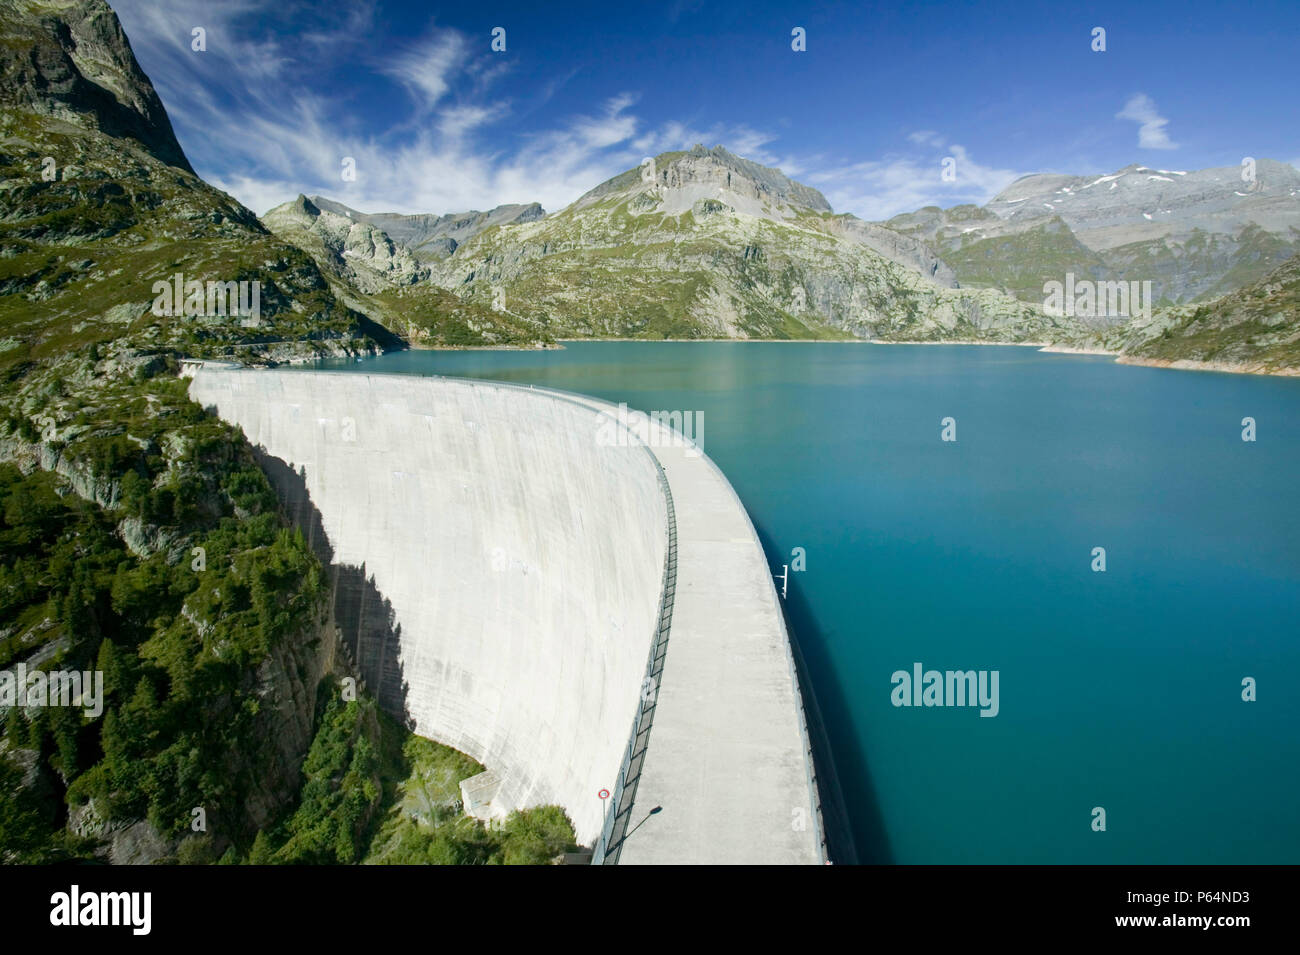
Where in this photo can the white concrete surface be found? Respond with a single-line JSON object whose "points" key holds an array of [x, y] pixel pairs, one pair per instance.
{"points": [[522, 560], [533, 664]]}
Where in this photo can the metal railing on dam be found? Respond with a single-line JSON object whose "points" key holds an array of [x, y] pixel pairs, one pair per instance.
{"points": [[624, 794]]}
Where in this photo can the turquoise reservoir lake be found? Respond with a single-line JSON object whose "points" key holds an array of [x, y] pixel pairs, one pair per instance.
{"points": [[1119, 689]]}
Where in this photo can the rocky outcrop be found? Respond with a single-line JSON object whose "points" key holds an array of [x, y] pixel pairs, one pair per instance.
{"points": [[48, 456], [679, 179], [903, 249], [286, 684], [70, 61], [363, 255], [435, 236]]}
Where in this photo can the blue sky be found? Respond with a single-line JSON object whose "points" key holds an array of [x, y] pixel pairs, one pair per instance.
{"points": [[438, 122]]}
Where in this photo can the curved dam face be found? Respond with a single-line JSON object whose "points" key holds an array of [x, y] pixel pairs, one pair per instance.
{"points": [[522, 560], [504, 565]]}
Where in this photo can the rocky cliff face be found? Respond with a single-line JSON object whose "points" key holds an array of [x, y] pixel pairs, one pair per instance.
{"points": [[680, 179], [69, 61], [361, 254], [435, 236], [896, 247]]}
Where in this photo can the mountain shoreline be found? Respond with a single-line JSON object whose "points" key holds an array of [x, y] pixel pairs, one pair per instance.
{"points": [[712, 247], [1049, 348], [1225, 367]]}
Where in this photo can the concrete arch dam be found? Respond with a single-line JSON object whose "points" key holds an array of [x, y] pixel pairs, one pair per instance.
{"points": [[500, 569]]}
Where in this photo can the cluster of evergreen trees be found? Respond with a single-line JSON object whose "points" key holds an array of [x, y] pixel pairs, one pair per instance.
{"points": [[179, 637]]}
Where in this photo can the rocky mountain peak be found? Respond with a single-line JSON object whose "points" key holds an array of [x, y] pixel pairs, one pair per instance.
{"points": [[367, 255], [680, 180], [721, 168], [1142, 203], [69, 60], [433, 236]]}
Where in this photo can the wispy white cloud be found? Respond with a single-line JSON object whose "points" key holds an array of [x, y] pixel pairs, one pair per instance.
{"points": [[442, 156], [259, 118], [926, 137], [247, 115], [904, 182], [458, 121], [426, 68], [744, 141], [1141, 109]]}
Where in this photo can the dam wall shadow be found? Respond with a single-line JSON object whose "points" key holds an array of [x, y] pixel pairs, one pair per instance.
{"points": [[366, 619]]}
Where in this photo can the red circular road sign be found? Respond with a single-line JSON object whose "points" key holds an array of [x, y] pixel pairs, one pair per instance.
{"points": [[603, 794]]}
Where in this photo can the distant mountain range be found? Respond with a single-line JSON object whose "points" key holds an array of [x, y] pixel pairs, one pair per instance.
{"points": [[435, 237], [704, 243], [693, 244], [1194, 235]]}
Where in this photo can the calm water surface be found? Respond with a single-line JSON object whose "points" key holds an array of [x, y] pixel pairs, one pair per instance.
{"points": [[1119, 690]]}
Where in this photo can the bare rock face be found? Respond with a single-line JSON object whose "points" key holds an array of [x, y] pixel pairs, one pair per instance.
{"points": [[137, 844], [435, 236], [903, 249], [69, 60], [702, 172], [362, 253], [679, 180]]}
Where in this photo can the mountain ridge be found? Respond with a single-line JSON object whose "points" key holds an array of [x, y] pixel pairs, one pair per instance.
{"points": [[701, 243], [386, 281], [433, 236], [1195, 234]]}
